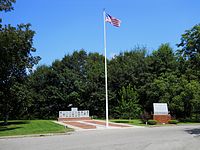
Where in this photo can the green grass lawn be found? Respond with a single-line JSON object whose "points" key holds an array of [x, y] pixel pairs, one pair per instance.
{"points": [[137, 122], [25, 127]]}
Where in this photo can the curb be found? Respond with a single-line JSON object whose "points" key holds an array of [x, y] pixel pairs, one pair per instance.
{"points": [[35, 135]]}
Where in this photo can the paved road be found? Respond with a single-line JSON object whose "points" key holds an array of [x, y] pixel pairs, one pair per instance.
{"points": [[156, 138]]}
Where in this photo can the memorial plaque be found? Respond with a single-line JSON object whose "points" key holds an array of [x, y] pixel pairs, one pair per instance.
{"points": [[160, 108], [74, 113], [74, 109]]}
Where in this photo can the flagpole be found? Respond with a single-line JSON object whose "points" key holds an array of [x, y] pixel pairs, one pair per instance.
{"points": [[106, 80]]}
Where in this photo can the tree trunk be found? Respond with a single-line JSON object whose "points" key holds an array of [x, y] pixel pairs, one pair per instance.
{"points": [[5, 119], [6, 114]]}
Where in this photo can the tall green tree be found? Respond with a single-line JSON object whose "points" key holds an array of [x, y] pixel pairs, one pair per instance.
{"points": [[189, 53], [162, 60], [128, 106], [190, 43], [95, 85], [127, 68], [78, 79], [15, 58]]}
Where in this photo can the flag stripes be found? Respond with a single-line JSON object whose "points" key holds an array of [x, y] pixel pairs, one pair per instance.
{"points": [[112, 20]]}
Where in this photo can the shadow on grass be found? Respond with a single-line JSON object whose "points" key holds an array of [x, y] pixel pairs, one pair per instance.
{"points": [[129, 121], [123, 121], [14, 123], [195, 131], [8, 129]]}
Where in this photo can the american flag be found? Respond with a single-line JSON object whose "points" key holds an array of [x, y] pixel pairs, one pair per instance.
{"points": [[112, 20]]}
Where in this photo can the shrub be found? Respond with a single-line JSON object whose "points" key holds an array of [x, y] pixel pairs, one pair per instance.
{"points": [[145, 117], [152, 122], [173, 121], [94, 117], [193, 120]]}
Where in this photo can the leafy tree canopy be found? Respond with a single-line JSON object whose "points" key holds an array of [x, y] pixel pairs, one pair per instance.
{"points": [[16, 46], [6, 5], [190, 43]]}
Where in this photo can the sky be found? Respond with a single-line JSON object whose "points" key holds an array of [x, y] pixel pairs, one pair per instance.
{"points": [[63, 26]]}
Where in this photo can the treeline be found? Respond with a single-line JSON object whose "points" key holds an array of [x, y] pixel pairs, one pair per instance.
{"points": [[136, 79]]}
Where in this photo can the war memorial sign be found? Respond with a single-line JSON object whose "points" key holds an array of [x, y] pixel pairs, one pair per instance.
{"points": [[161, 113], [74, 114], [160, 108]]}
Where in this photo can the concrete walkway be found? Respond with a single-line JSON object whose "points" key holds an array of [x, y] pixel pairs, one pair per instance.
{"points": [[94, 125]]}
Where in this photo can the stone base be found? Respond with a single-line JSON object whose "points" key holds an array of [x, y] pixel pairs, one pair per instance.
{"points": [[74, 119], [162, 118]]}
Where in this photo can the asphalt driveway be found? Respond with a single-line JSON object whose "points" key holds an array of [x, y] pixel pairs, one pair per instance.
{"points": [[156, 138]]}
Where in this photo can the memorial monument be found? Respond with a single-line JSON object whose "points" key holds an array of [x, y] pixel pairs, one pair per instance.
{"points": [[73, 115], [161, 113]]}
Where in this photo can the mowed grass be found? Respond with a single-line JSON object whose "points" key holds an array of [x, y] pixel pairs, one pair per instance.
{"points": [[25, 127], [136, 122]]}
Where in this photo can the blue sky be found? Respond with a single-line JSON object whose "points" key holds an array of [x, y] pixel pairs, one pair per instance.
{"points": [[63, 26]]}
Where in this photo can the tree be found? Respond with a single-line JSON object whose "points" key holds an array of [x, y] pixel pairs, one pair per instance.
{"points": [[190, 50], [38, 83], [95, 85], [190, 43], [22, 100], [181, 95], [188, 99], [128, 68], [162, 60], [128, 104], [164, 89], [6, 5], [194, 88], [79, 79], [15, 58]]}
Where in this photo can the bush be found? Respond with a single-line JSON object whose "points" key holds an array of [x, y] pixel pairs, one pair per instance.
{"points": [[145, 117], [152, 122], [95, 117], [173, 121]]}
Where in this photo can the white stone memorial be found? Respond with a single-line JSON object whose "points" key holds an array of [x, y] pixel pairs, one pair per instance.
{"points": [[74, 113], [160, 108]]}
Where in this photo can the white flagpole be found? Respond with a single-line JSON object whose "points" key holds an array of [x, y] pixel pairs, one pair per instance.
{"points": [[106, 80]]}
